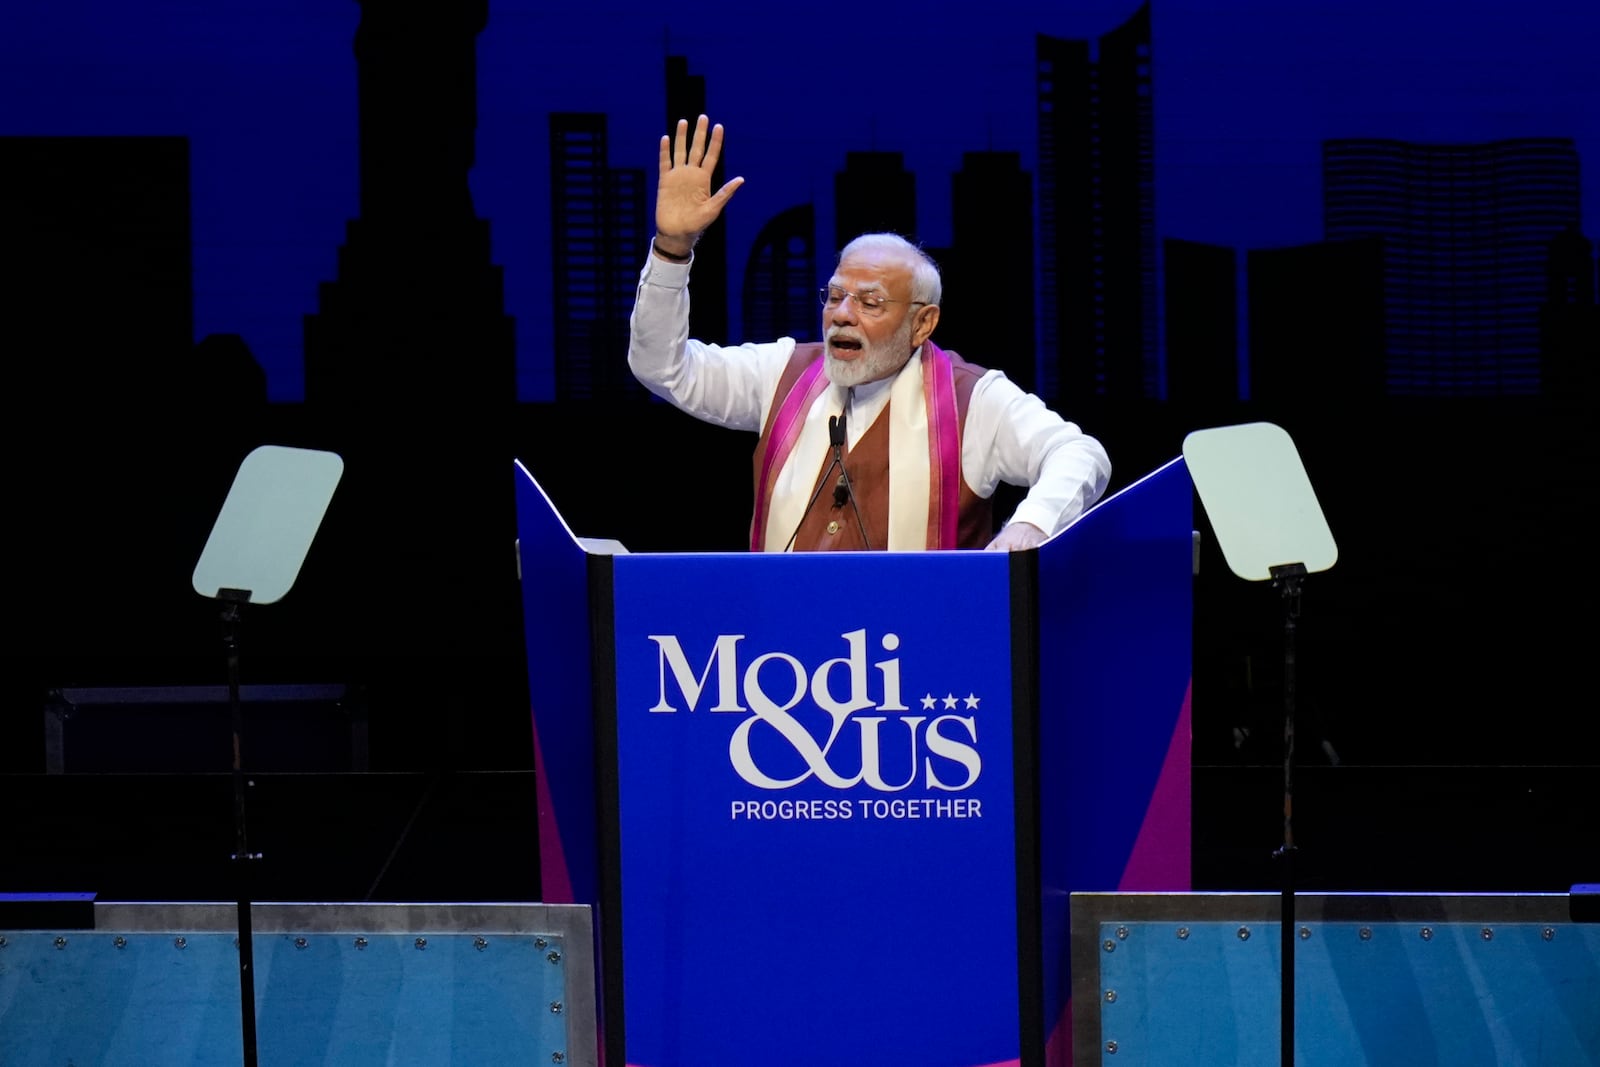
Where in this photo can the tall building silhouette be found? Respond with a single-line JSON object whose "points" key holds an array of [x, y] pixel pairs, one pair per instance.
{"points": [[708, 311], [96, 326], [1316, 321], [416, 312], [599, 239], [1202, 325], [1570, 321], [411, 377], [780, 278], [1466, 232], [1098, 290], [95, 224], [873, 194], [987, 309]]}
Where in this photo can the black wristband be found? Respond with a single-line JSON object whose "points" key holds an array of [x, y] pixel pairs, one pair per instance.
{"points": [[668, 256]]}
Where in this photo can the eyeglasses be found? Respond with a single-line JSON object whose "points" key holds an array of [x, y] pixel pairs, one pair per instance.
{"points": [[871, 305]]}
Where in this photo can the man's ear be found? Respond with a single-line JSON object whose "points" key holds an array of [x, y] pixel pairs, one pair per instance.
{"points": [[922, 326]]}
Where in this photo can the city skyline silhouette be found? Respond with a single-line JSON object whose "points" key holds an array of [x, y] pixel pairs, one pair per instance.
{"points": [[268, 222]]}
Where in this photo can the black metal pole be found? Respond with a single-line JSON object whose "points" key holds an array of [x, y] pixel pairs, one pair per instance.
{"points": [[1287, 577], [233, 601]]}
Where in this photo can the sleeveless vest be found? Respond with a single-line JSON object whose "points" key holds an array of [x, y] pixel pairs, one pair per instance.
{"points": [[832, 523]]}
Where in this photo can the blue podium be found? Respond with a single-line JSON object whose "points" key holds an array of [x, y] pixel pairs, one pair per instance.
{"points": [[830, 808]]}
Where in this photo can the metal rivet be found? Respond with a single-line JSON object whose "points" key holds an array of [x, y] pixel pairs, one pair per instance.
{"points": [[1111, 996], [558, 1057], [421, 943], [361, 942], [1183, 933], [1365, 933], [1109, 945], [120, 941], [1486, 933], [1427, 933], [1122, 933], [553, 957], [1111, 1047], [300, 942], [539, 942], [1244, 933], [1305, 933], [2, 942], [180, 942], [1548, 933], [479, 943], [556, 1007], [61, 943]]}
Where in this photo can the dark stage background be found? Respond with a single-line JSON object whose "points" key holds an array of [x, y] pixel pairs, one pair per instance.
{"points": [[408, 232]]}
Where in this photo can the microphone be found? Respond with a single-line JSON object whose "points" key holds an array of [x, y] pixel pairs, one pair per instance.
{"points": [[836, 439], [843, 490]]}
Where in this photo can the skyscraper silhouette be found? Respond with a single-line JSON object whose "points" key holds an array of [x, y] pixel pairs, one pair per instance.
{"points": [[1570, 321], [873, 194], [708, 312], [598, 243], [1202, 326], [411, 376], [988, 302], [1097, 216], [96, 325], [1316, 327], [417, 311], [780, 278], [1466, 232]]}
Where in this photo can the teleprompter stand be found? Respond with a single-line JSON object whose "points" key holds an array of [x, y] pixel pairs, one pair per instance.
{"points": [[1270, 527], [254, 553]]}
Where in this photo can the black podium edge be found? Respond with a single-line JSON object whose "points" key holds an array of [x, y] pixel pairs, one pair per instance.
{"points": [[1024, 579], [608, 801]]}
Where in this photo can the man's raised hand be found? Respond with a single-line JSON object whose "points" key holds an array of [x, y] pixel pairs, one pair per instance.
{"points": [[685, 204]]}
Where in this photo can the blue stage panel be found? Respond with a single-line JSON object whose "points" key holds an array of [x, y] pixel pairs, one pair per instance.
{"points": [[335, 985], [1451, 981]]}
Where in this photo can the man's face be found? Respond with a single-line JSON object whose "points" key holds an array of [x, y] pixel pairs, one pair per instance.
{"points": [[864, 345]]}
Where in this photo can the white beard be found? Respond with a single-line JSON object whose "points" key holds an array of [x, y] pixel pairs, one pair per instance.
{"points": [[876, 360]]}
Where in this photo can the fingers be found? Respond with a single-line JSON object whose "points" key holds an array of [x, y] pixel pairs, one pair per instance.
{"points": [[697, 147], [701, 149], [713, 145], [725, 194]]}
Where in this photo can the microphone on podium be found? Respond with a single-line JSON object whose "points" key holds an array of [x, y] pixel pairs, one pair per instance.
{"points": [[842, 490]]}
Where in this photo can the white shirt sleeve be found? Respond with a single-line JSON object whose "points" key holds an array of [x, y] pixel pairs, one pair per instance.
{"points": [[1011, 436], [729, 386]]}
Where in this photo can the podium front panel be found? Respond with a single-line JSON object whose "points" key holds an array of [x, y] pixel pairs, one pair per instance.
{"points": [[816, 855]]}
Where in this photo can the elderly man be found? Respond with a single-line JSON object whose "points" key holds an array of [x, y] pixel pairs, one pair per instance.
{"points": [[911, 440]]}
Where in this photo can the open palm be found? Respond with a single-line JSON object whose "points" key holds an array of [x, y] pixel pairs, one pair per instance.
{"points": [[685, 204]]}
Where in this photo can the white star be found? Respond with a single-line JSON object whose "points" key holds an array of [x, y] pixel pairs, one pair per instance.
{"points": [[928, 702], [972, 701], [949, 700]]}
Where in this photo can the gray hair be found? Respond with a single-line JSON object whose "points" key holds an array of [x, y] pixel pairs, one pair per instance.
{"points": [[926, 286]]}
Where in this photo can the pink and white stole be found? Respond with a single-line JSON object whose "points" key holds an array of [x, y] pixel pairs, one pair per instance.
{"points": [[924, 448]]}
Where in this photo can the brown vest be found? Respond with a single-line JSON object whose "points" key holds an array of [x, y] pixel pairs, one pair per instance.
{"points": [[830, 528]]}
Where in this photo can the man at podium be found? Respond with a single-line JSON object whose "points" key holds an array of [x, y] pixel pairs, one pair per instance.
{"points": [[873, 437]]}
